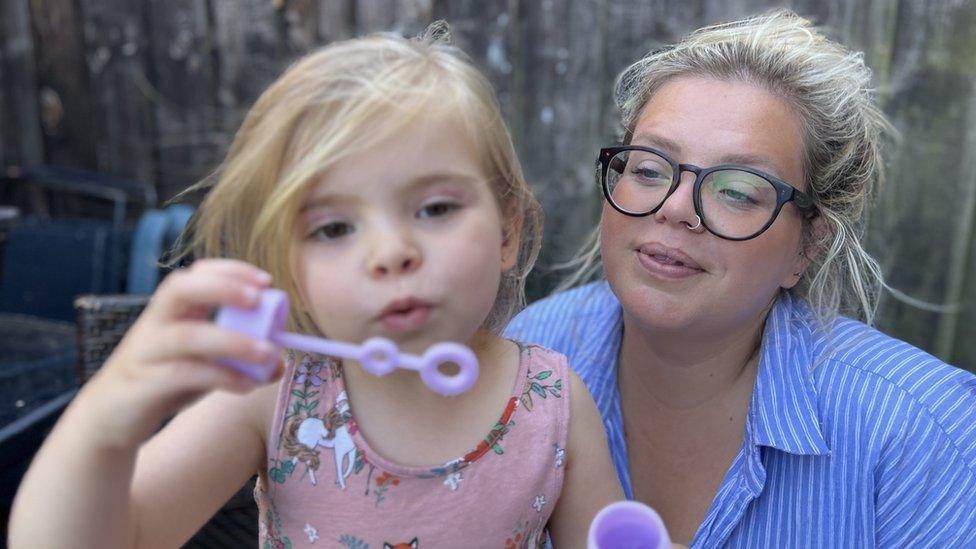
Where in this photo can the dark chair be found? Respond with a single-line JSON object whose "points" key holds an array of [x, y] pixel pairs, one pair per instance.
{"points": [[51, 256]]}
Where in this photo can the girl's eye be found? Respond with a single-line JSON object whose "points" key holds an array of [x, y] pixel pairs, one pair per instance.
{"points": [[332, 231], [436, 209]]}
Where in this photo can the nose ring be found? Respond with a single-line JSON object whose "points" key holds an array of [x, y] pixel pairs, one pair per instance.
{"points": [[697, 225]]}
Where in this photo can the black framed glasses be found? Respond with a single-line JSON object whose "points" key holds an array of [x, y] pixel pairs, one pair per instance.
{"points": [[733, 202]]}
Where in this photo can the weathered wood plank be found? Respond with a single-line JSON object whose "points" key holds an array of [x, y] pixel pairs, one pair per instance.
{"points": [[721, 11], [62, 81], [301, 19], [564, 92], [933, 78], [188, 139], [116, 46], [250, 54], [19, 117], [336, 20], [864, 25], [486, 32], [406, 17], [954, 340]]}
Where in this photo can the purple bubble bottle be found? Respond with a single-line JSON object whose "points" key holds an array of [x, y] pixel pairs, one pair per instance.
{"points": [[628, 525]]}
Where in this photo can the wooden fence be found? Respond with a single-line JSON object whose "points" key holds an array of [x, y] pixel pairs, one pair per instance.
{"points": [[154, 89]]}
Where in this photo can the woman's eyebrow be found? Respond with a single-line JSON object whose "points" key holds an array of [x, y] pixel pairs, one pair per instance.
{"points": [[660, 142], [752, 160], [673, 148]]}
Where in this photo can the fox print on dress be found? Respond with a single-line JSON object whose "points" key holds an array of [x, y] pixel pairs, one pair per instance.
{"points": [[412, 544]]}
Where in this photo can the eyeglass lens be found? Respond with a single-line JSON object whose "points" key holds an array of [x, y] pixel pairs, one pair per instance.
{"points": [[734, 203]]}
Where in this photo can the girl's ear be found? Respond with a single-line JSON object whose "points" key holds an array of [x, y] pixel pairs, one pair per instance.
{"points": [[511, 238], [809, 251]]}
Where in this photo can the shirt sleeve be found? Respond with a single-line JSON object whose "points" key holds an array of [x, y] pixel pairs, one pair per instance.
{"points": [[926, 484]]}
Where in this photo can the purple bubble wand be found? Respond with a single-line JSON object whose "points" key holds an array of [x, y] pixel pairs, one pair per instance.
{"points": [[378, 356]]}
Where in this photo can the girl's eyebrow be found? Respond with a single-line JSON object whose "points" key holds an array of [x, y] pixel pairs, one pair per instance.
{"points": [[423, 181], [442, 177]]}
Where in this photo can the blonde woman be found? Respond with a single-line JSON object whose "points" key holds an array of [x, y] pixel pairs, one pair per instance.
{"points": [[375, 182], [737, 401]]}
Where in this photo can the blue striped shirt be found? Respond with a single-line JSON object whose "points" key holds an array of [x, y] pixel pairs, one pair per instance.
{"points": [[852, 438]]}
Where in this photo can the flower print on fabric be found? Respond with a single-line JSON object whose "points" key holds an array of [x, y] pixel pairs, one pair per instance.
{"points": [[560, 455], [383, 483], [537, 385], [494, 439], [273, 538], [309, 372], [311, 532], [453, 481], [524, 535], [352, 542], [539, 503]]}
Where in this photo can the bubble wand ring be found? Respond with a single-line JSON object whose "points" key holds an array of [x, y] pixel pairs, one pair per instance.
{"points": [[378, 356]]}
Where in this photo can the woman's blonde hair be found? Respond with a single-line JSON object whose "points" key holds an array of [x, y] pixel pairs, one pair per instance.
{"points": [[329, 104], [829, 88]]}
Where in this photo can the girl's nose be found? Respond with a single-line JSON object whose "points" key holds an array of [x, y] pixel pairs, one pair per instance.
{"points": [[679, 208], [394, 253]]}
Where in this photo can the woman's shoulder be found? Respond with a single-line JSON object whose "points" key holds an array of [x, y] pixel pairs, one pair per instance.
{"points": [[853, 345], [553, 321], [862, 374]]}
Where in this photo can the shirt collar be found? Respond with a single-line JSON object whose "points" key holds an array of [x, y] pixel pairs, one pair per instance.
{"points": [[783, 411]]}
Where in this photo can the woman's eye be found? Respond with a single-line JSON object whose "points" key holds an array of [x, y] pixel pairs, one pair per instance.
{"points": [[436, 209], [735, 195], [648, 174], [332, 231]]}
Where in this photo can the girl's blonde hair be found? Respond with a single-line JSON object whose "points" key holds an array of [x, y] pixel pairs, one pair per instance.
{"points": [[828, 87], [332, 102]]}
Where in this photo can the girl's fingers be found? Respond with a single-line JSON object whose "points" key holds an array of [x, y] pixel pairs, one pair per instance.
{"points": [[239, 270], [188, 293], [194, 377], [190, 377], [205, 340]]}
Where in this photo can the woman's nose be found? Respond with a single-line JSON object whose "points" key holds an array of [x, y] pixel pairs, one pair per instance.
{"points": [[679, 208], [394, 252]]}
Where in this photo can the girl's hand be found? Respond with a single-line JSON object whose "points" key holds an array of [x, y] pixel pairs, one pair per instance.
{"points": [[167, 358]]}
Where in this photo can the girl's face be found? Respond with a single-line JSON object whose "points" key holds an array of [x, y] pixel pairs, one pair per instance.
{"points": [[718, 284], [404, 240]]}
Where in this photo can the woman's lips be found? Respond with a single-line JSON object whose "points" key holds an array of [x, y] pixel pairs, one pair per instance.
{"points": [[667, 262]]}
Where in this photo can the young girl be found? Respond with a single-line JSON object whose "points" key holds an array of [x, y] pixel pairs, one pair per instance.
{"points": [[376, 183]]}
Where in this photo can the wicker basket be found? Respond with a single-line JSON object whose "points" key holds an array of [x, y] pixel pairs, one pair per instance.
{"points": [[101, 321]]}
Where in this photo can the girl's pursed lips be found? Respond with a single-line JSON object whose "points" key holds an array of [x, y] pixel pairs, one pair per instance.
{"points": [[404, 315]]}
